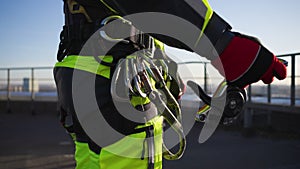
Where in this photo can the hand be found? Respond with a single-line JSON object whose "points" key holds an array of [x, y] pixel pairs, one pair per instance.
{"points": [[245, 61]]}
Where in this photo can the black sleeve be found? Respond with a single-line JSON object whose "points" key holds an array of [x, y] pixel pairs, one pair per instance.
{"points": [[179, 8]]}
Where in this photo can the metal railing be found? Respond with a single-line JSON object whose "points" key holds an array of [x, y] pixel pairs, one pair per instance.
{"points": [[23, 83], [27, 84], [292, 87], [204, 76]]}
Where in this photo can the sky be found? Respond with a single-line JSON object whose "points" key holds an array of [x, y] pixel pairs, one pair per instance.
{"points": [[30, 29]]}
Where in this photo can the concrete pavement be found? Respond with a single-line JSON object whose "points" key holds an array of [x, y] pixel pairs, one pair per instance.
{"points": [[39, 142]]}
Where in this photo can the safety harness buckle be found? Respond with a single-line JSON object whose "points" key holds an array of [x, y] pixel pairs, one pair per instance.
{"points": [[116, 29]]}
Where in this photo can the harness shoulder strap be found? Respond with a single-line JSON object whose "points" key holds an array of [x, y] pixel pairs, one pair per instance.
{"points": [[76, 8], [109, 7]]}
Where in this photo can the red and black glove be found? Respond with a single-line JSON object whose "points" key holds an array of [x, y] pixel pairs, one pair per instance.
{"points": [[245, 61]]}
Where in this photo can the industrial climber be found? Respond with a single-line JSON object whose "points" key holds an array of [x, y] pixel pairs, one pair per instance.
{"points": [[143, 26]]}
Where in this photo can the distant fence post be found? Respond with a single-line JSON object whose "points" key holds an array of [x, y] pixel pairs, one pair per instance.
{"points": [[269, 93], [32, 91], [293, 81], [205, 77], [249, 93], [8, 109], [293, 76]]}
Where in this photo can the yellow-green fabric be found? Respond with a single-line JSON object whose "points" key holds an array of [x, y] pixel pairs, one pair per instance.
{"points": [[136, 100], [126, 152], [159, 44], [208, 15], [130, 150], [87, 63], [84, 157]]}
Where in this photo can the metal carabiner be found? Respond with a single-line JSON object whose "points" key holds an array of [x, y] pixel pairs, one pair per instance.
{"points": [[110, 19], [173, 121], [128, 77], [139, 73], [115, 80]]}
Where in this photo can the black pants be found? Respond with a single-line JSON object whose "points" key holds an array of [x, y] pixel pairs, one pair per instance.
{"points": [[68, 81]]}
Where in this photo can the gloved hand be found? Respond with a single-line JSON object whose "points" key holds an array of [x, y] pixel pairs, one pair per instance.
{"points": [[245, 61]]}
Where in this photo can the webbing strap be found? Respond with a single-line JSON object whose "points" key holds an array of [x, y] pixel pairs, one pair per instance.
{"points": [[109, 7], [76, 8], [87, 63]]}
